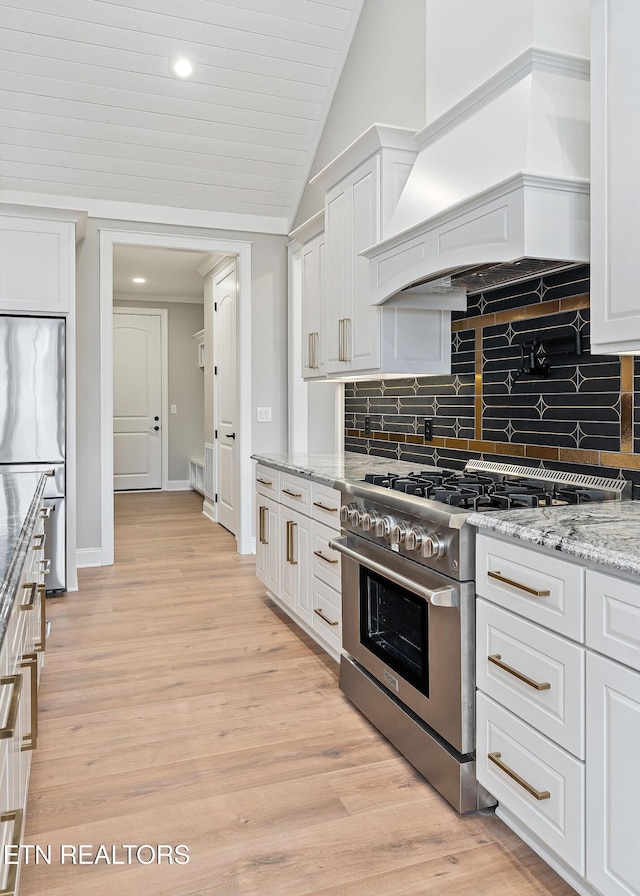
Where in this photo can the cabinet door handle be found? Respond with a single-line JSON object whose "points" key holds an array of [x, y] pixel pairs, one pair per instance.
{"points": [[16, 817], [326, 618], [538, 794], [263, 537], [30, 740], [33, 587], [535, 591], [12, 715], [42, 643], [322, 557], [290, 528], [45, 567], [324, 507], [285, 491], [264, 481], [40, 545], [45, 512], [496, 659], [316, 338]]}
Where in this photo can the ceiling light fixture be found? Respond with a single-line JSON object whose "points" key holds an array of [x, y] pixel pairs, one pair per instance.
{"points": [[182, 67], [139, 279]]}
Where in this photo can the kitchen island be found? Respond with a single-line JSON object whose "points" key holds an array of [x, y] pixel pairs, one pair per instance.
{"points": [[22, 644]]}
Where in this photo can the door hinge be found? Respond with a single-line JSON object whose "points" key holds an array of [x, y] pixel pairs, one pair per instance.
{"points": [[215, 371], [215, 306], [215, 433], [215, 498]]}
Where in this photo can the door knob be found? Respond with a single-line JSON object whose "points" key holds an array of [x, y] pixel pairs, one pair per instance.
{"points": [[230, 436]]}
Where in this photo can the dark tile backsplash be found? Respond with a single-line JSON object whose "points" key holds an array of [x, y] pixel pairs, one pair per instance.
{"points": [[584, 416]]}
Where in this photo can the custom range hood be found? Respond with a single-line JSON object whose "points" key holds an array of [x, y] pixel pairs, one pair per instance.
{"points": [[499, 191]]}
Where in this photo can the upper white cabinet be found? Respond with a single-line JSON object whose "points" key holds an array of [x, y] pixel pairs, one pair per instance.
{"points": [[615, 185], [37, 259], [352, 337]]}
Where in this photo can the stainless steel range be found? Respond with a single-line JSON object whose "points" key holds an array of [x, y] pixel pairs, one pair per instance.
{"points": [[408, 604]]}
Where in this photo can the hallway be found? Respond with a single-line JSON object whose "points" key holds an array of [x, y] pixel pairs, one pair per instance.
{"points": [[179, 706]]}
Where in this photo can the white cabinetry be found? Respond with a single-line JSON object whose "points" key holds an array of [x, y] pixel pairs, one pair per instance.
{"points": [[558, 709], [613, 734], [37, 259], [362, 186], [295, 519], [615, 187]]}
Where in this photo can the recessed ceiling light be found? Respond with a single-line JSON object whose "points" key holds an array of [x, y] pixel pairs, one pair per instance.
{"points": [[182, 67], [139, 279]]}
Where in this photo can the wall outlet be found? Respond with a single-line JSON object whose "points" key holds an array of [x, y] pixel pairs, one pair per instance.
{"points": [[174, 408], [367, 426], [428, 429]]}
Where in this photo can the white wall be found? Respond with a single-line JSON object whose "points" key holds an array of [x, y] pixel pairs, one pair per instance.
{"points": [[186, 383], [383, 81], [267, 354]]}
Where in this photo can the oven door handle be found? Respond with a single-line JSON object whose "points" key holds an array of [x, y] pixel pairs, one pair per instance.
{"points": [[439, 597]]}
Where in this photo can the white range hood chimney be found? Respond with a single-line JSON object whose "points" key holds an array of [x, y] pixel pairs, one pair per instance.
{"points": [[500, 188]]}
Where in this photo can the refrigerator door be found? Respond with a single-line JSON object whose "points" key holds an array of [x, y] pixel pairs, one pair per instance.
{"points": [[32, 389]]}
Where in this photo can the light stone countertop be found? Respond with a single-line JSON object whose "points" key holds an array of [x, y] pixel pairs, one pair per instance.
{"points": [[329, 469], [606, 534]]}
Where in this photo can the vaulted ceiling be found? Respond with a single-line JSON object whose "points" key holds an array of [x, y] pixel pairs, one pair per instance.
{"points": [[88, 107]]}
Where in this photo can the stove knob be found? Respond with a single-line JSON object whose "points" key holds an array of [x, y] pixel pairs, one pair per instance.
{"points": [[345, 510], [383, 526], [398, 533], [354, 515], [369, 521], [414, 539], [433, 546]]}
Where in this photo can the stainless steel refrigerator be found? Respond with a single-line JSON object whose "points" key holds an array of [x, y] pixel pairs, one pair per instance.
{"points": [[32, 419]]}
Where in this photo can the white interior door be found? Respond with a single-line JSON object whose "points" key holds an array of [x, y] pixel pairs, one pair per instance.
{"points": [[137, 401], [224, 341]]}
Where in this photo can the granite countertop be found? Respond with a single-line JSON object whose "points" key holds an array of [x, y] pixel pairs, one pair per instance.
{"points": [[20, 495], [607, 534], [330, 469]]}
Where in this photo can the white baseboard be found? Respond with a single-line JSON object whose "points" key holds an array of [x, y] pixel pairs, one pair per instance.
{"points": [[209, 510], [88, 557], [178, 485]]}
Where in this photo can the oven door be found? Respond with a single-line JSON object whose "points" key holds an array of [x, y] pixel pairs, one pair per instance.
{"points": [[413, 631]]}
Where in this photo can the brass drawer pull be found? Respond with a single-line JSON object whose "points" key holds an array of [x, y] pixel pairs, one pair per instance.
{"points": [[263, 537], [286, 491], [33, 587], [45, 512], [290, 527], [322, 557], [40, 545], [12, 715], [496, 659], [527, 588], [326, 618], [45, 567], [264, 481], [324, 507], [40, 645], [30, 740], [16, 817], [538, 794]]}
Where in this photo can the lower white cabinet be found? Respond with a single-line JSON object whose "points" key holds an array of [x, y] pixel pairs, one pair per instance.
{"points": [[296, 519], [558, 718]]}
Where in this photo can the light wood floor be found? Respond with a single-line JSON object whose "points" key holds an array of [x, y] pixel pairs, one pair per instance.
{"points": [[178, 706]]}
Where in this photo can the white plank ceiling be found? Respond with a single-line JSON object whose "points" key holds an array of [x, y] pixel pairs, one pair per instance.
{"points": [[88, 107]]}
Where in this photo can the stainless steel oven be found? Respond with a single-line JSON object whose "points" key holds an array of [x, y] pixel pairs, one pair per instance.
{"points": [[408, 604]]}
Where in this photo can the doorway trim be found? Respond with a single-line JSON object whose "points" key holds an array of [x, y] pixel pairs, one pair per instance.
{"points": [[109, 238], [163, 314]]}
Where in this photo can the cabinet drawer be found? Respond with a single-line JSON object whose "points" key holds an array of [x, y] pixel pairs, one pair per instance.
{"points": [[613, 617], [327, 614], [544, 589], [268, 482], [558, 818], [326, 561], [325, 505], [543, 682], [295, 493]]}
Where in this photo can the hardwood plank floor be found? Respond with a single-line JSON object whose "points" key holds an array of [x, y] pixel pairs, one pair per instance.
{"points": [[179, 706]]}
